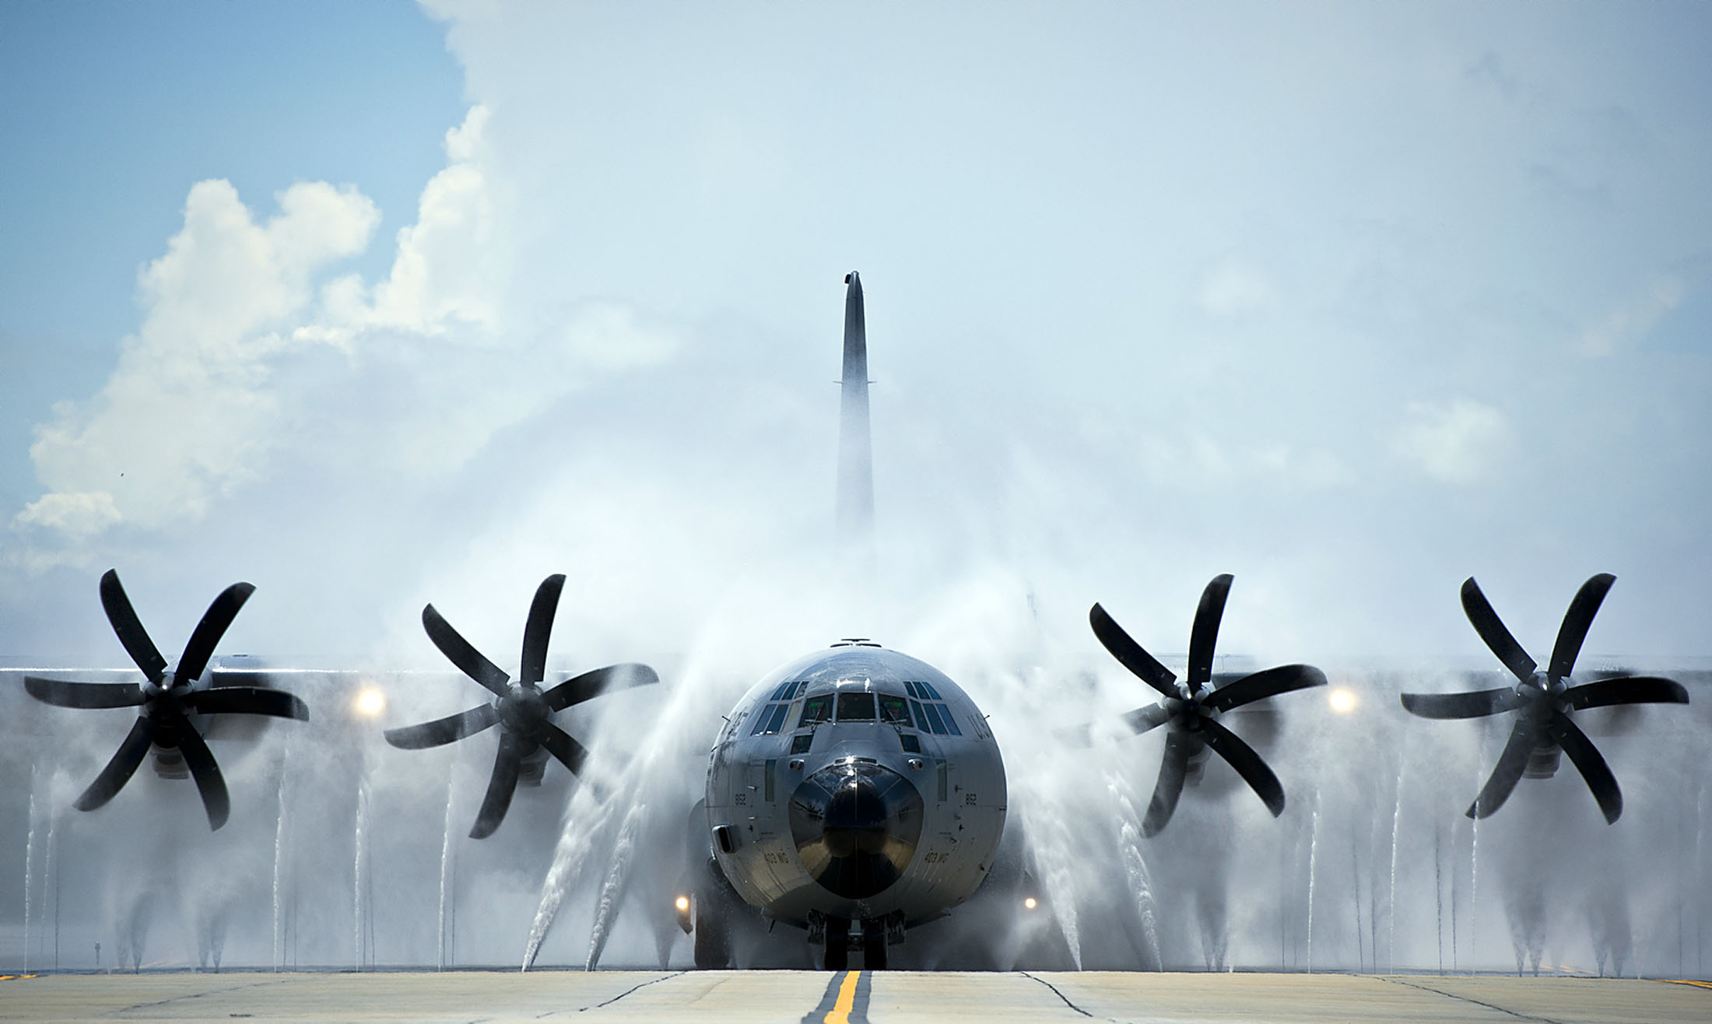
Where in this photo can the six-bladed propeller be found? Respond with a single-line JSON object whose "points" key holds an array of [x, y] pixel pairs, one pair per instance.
{"points": [[521, 708], [167, 701], [1543, 701], [1191, 707]]}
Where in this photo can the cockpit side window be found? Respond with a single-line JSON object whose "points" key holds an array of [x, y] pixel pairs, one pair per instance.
{"points": [[856, 706], [950, 723], [816, 710], [770, 719], [920, 717], [761, 717], [934, 724], [894, 710]]}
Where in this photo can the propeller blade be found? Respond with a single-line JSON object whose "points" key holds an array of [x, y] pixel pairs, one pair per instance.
{"points": [[120, 769], [442, 731], [66, 694], [1592, 766], [213, 625], [458, 651], [1491, 630], [592, 684], [1261, 685], [560, 744], [1477, 704], [1204, 634], [1524, 737], [1247, 763], [248, 700], [1130, 654], [539, 629], [1573, 632], [129, 628], [209, 782], [500, 786], [1173, 767], [1146, 718], [1606, 693]]}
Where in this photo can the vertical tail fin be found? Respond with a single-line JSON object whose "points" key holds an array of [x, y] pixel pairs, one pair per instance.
{"points": [[855, 449]]}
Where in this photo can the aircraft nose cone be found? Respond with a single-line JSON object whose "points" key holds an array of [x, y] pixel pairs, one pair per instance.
{"points": [[856, 826]]}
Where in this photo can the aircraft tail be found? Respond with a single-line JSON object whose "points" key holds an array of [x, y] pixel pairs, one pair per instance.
{"points": [[855, 447]]}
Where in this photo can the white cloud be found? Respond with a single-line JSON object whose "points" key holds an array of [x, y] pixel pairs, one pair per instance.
{"points": [[1461, 441], [187, 412], [1630, 322], [425, 367], [77, 515]]}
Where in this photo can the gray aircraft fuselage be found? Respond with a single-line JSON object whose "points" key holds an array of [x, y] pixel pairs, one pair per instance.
{"points": [[856, 783]]}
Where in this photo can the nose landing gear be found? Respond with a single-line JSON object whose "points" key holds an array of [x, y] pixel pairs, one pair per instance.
{"points": [[839, 935]]}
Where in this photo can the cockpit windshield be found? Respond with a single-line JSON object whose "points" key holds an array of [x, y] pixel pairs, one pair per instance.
{"points": [[816, 709], [856, 706], [894, 710]]}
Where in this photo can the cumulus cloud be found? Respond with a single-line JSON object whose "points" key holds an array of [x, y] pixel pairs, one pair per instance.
{"points": [[1460, 441], [420, 370], [77, 515], [187, 412]]}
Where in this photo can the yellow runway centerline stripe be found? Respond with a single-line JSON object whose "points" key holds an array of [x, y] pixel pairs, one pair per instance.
{"points": [[840, 1013], [1688, 981]]}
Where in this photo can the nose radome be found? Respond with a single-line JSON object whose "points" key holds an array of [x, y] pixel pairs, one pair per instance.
{"points": [[856, 826]]}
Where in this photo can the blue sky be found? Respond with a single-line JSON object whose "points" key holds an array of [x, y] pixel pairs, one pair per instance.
{"points": [[1351, 300], [115, 108]]}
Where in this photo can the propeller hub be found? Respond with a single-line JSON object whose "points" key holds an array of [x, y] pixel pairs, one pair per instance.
{"points": [[522, 709]]}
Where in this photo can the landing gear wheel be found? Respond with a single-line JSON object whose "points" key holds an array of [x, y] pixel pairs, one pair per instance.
{"points": [[837, 944], [874, 945], [712, 943]]}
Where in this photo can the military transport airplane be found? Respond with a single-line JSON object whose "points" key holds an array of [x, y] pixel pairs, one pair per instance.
{"points": [[856, 792]]}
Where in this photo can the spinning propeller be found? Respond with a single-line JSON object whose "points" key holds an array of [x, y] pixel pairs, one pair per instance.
{"points": [[522, 710], [1191, 707], [1543, 701], [167, 701]]}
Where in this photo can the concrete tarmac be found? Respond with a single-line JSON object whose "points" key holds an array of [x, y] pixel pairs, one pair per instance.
{"points": [[852, 997]]}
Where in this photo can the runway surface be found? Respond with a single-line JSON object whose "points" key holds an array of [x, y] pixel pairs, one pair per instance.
{"points": [[849, 997]]}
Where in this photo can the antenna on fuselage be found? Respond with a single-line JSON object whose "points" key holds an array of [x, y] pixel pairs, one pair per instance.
{"points": [[855, 446]]}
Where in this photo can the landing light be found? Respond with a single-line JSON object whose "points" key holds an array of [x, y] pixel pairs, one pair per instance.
{"points": [[1342, 700], [1029, 903], [682, 903], [370, 702]]}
